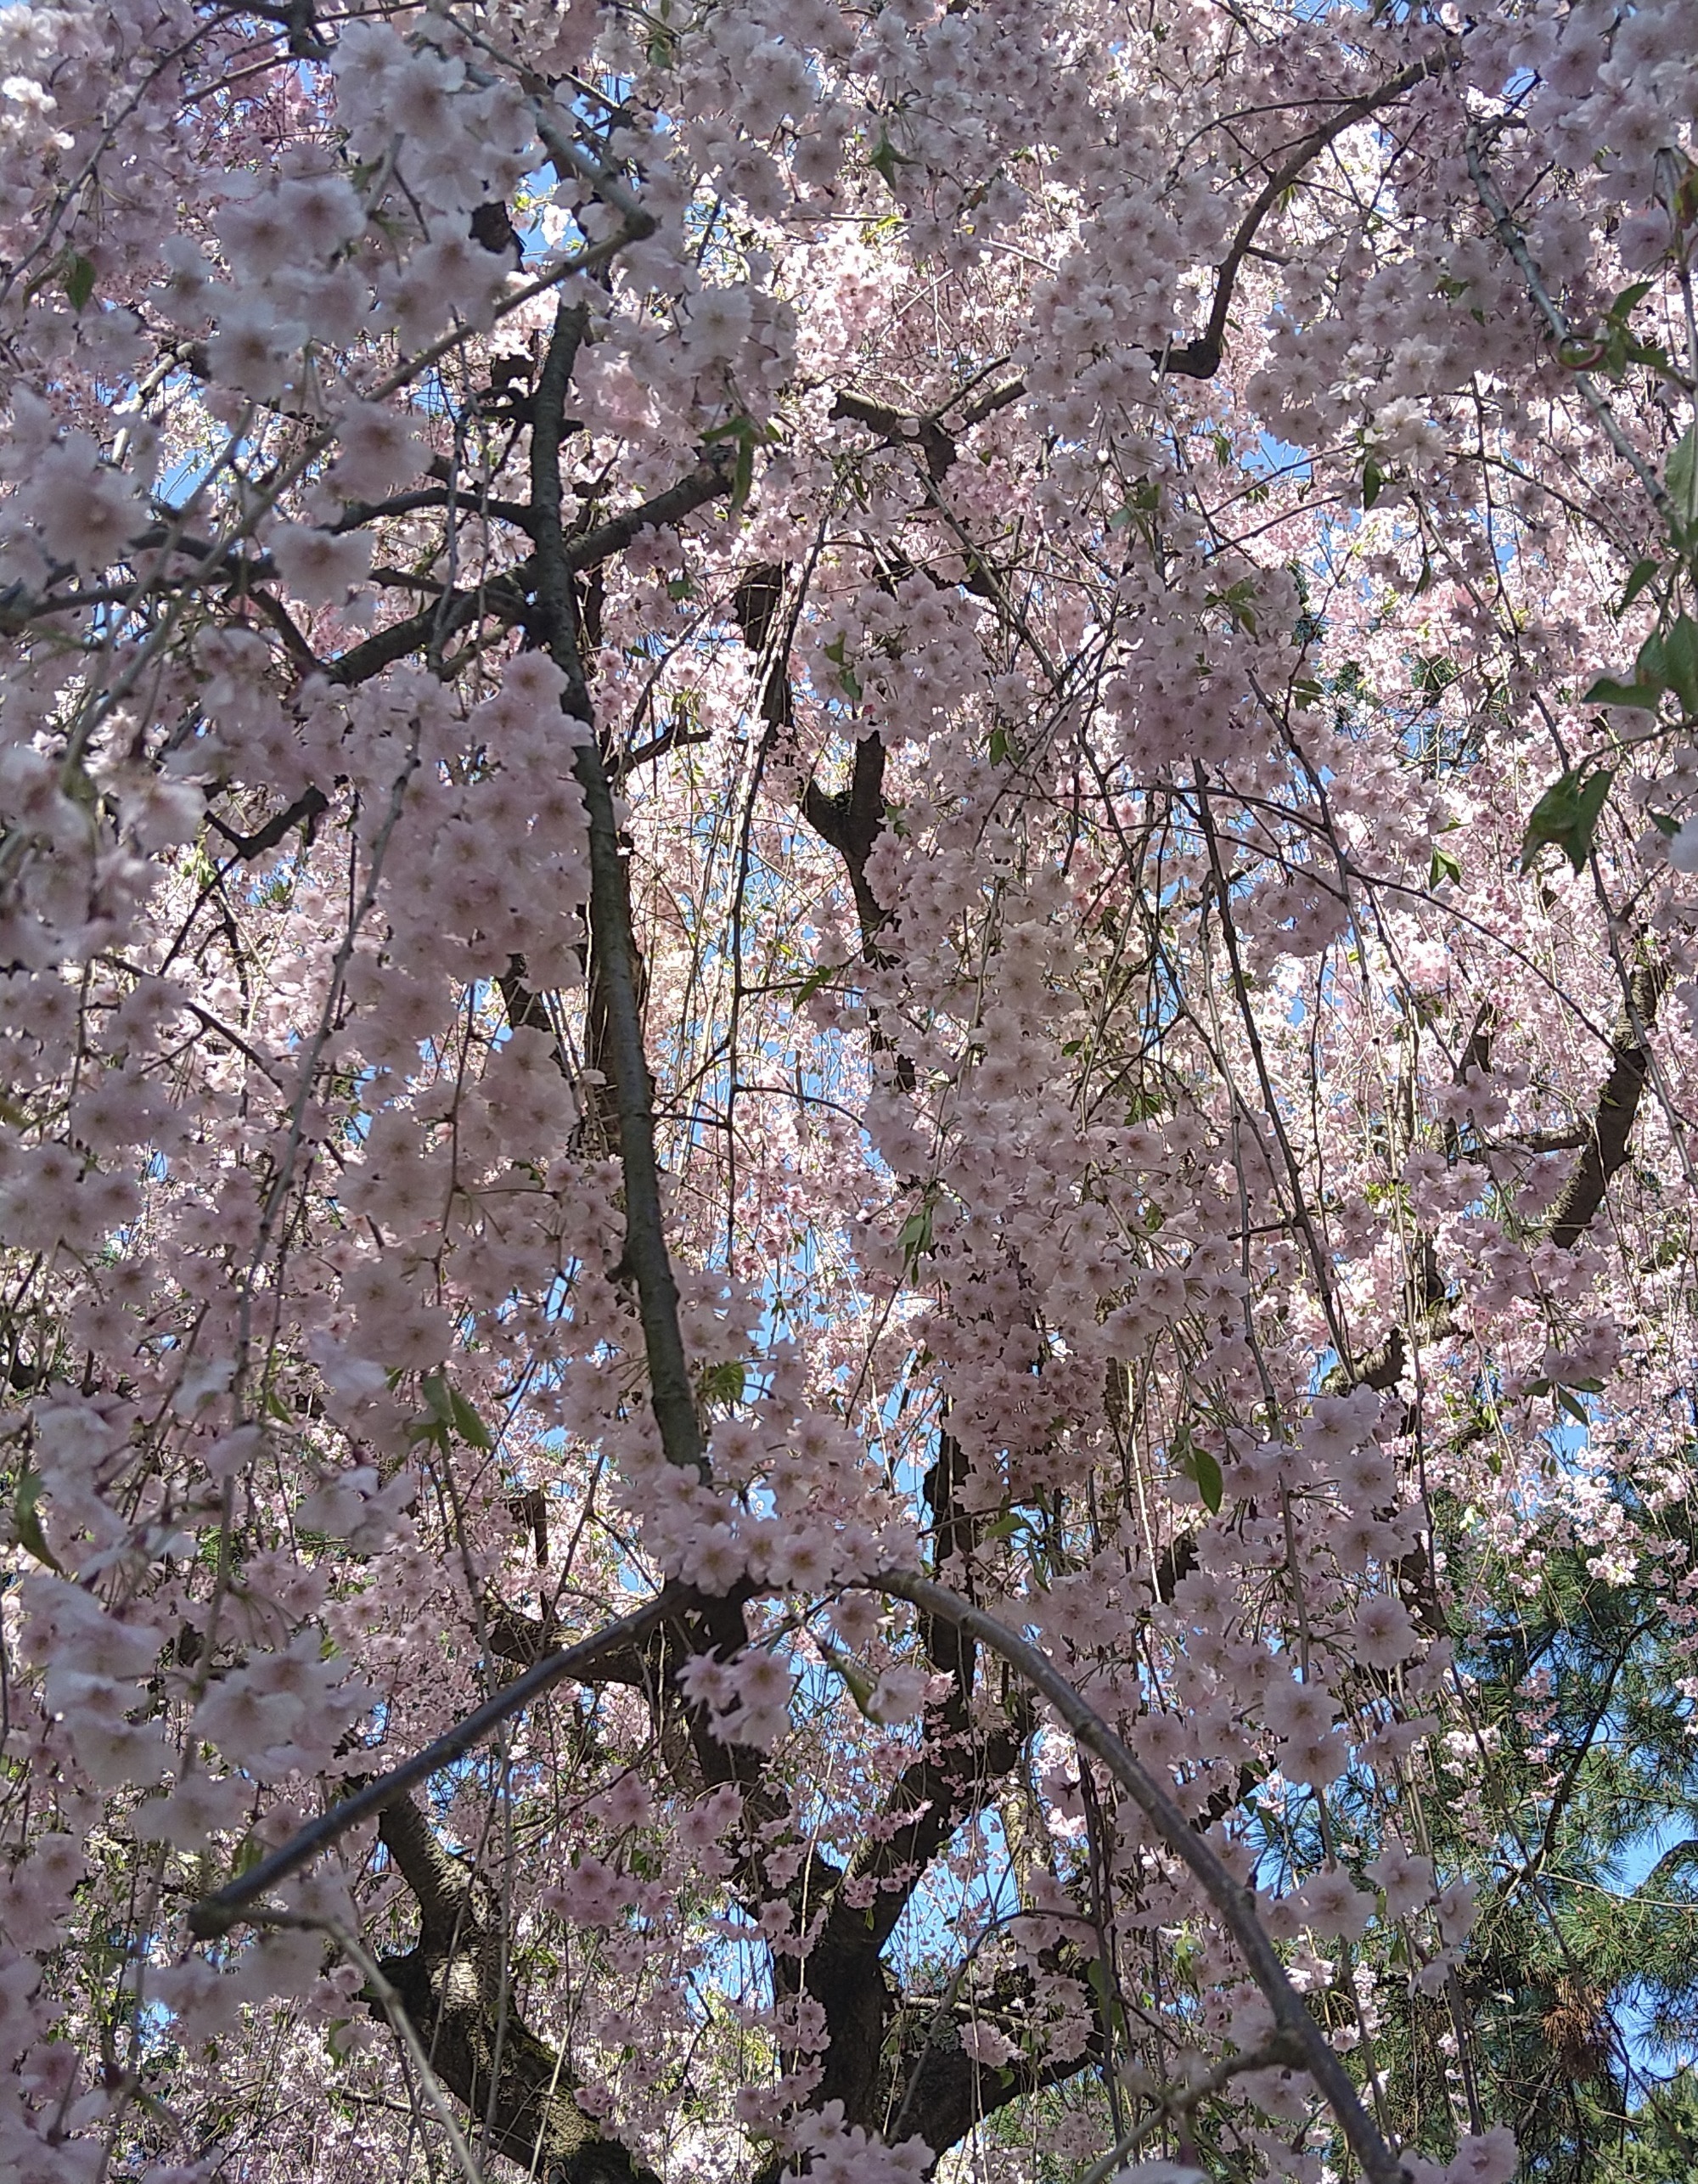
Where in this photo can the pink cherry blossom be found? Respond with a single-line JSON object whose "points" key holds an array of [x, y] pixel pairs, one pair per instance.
{"points": [[799, 802]]}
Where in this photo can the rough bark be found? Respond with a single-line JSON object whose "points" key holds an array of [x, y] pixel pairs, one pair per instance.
{"points": [[1612, 1127], [1603, 1141], [452, 1985]]}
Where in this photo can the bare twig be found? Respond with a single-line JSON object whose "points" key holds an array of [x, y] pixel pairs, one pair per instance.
{"points": [[1510, 236]]}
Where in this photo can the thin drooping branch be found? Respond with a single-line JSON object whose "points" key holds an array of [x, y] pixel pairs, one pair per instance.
{"points": [[216, 1913], [1515, 244], [1234, 1903], [1198, 358], [1603, 1141], [447, 1988]]}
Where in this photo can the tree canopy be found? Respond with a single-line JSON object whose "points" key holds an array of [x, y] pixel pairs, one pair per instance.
{"points": [[848, 860]]}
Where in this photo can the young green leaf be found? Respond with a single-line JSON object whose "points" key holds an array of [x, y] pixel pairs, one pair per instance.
{"points": [[914, 1236], [467, 1423], [725, 1382], [1677, 476], [1643, 697], [1680, 661], [1642, 572], [1567, 814], [79, 282], [27, 1524]]}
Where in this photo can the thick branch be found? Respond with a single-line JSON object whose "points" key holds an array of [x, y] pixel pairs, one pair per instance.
{"points": [[935, 1797], [308, 806], [711, 478], [503, 596], [955, 1776], [1603, 1143], [646, 1256], [947, 2092], [359, 513], [1199, 358], [852, 819], [1234, 1904], [450, 1984], [1605, 1149]]}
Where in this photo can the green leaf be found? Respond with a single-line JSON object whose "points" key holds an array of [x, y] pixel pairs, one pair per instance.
{"points": [[821, 975], [914, 1236], [1677, 475], [466, 1422], [248, 1854], [724, 1383], [1444, 866], [1373, 483], [837, 652], [1680, 661], [1108, 2003], [1143, 500], [450, 1415], [1641, 575], [28, 1525], [1607, 691], [1630, 299], [884, 159], [1200, 1465], [79, 282], [1649, 667], [743, 473], [859, 1683], [1664, 825], [1567, 814], [1239, 601], [1572, 1405]]}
